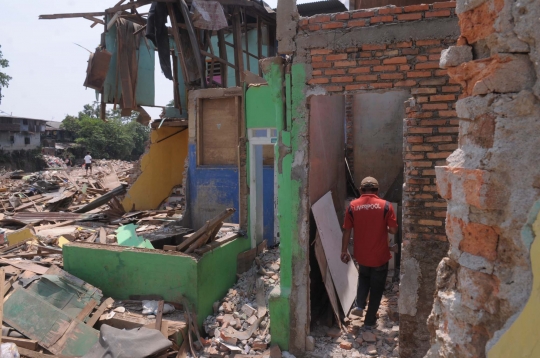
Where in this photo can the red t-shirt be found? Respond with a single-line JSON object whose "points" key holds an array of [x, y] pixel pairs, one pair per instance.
{"points": [[369, 216]]}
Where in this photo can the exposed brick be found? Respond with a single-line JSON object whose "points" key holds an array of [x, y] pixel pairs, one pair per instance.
{"points": [[451, 88], [390, 10], [435, 106], [391, 53], [345, 63], [404, 44], [371, 47], [314, 27], [422, 99], [422, 148], [318, 80], [360, 70], [383, 68], [444, 5], [410, 156], [419, 130], [440, 138], [414, 8], [381, 85], [409, 51], [416, 74], [423, 90], [365, 54], [321, 64], [440, 13], [317, 58], [439, 155], [407, 83], [422, 164], [452, 146], [356, 87], [366, 78], [447, 113], [377, 19], [342, 79], [320, 51], [369, 62], [404, 67], [415, 139], [409, 17], [342, 16], [449, 130], [359, 14], [303, 22], [341, 56], [395, 60], [335, 72], [433, 122], [430, 222], [427, 42], [333, 25], [424, 65], [436, 57], [442, 97], [391, 76], [356, 23], [316, 72], [334, 88], [319, 18]]}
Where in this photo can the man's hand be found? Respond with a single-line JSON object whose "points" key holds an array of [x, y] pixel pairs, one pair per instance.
{"points": [[345, 257]]}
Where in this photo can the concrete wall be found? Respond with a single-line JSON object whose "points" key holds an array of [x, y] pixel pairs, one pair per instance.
{"points": [[484, 302], [162, 168], [19, 143]]}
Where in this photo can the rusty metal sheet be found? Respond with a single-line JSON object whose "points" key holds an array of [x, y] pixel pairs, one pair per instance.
{"points": [[98, 66]]}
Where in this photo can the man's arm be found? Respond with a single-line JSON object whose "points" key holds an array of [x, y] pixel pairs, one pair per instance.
{"points": [[393, 230], [345, 257]]}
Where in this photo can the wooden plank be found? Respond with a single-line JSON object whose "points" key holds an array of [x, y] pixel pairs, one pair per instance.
{"points": [[238, 51], [194, 42], [21, 342], [245, 260], [178, 43], [102, 236], [246, 39], [25, 266], [71, 15], [2, 292], [87, 310], [207, 226], [345, 277], [159, 315], [223, 55], [31, 354], [102, 307]]}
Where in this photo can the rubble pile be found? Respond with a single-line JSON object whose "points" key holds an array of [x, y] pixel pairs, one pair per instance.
{"points": [[358, 341], [241, 323]]}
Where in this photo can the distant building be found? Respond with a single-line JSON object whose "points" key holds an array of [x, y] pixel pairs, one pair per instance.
{"points": [[18, 133]]}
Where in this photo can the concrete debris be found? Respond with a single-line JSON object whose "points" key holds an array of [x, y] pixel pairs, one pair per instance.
{"points": [[240, 322]]}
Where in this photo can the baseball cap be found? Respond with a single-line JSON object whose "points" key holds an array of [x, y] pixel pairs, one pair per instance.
{"points": [[369, 182]]}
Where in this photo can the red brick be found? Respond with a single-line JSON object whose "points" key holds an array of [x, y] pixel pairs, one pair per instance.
{"points": [[359, 70], [414, 8], [345, 63], [407, 83], [433, 122], [441, 72], [303, 22], [424, 65], [411, 156], [356, 23], [430, 222], [362, 78], [440, 13], [404, 67], [409, 51], [436, 57], [365, 54], [451, 88], [351, 49], [321, 64], [391, 76], [333, 25], [422, 164], [377, 19], [356, 87], [423, 115], [449, 130], [420, 130], [359, 14], [316, 72], [342, 16], [479, 239], [341, 56], [395, 60], [444, 5], [404, 44], [383, 68], [314, 27], [369, 62], [381, 85], [437, 49], [318, 80], [422, 148], [320, 51], [409, 17], [416, 74], [440, 155], [370, 47], [334, 88], [440, 138], [427, 42], [442, 97], [415, 139], [447, 113], [335, 72], [423, 90], [342, 79], [452, 146], [319, 18], [422, 99], [390, 10], [435, 106], [317, 58]]}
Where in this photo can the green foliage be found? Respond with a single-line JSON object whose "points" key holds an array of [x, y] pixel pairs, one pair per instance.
{"points": [[117, 138], [4, 78]]}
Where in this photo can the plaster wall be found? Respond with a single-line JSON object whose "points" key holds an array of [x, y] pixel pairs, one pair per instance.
{"points": [[19, 141], [161, 168]]}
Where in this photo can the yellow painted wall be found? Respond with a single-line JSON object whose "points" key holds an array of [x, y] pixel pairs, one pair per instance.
{"points": [[521, 340], [162, 168]]}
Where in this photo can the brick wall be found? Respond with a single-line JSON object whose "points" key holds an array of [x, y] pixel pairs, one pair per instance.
{"points": [[350, 53]]}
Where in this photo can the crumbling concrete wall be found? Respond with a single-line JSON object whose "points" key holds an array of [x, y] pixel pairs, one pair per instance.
{"points": [[396, 49], [491, 181]]}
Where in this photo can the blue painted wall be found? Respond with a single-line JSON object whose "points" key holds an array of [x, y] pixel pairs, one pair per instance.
{"points": [[212, 189], [268, 204]]}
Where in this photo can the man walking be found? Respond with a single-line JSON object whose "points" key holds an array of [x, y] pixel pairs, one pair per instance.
{"points": [[88, 163], [372, 218]]}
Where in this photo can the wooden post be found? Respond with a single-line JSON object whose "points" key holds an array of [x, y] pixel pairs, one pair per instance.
{"points": [[2, 293], [259, 43], [223, 55], [238, 51], [177, 42], [194, 41], [246, 39]]}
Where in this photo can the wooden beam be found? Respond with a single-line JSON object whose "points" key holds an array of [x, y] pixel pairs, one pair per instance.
{"points": [[178, 43], [194, 42], [92, 321], [2, 281], [246, 38], [237, 39], [220, 60], [244, 51], [21, 342], [259, 42], [87, 310], [68, 16], [96, 20], [223, 55], [159, 316]]}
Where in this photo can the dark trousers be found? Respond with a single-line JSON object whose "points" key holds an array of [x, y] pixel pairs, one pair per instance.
{"points": [[371, 281]]}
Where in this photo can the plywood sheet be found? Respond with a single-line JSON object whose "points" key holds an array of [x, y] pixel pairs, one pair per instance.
{"points": [[345, 276]]}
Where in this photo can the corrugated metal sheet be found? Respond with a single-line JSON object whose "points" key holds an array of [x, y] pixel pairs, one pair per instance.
{"points": [[321, 7]]}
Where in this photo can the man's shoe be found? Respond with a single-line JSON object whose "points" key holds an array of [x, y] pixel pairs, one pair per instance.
{"points": [[357, 311]]}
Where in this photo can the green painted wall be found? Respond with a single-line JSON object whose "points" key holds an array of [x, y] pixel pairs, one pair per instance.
{"points": [[120, 272], [260, 111]]}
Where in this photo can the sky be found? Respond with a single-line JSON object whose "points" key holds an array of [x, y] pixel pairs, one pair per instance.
{"points": [[47, 67]]}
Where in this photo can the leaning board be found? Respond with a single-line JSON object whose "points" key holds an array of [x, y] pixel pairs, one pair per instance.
{"points": [[345, 276]]}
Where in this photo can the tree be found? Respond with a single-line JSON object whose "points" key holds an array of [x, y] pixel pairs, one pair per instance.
{"points": [[4, 78]]}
